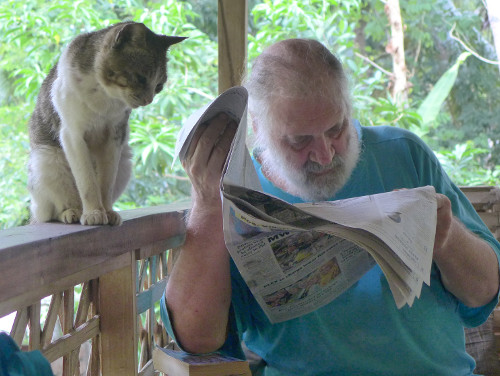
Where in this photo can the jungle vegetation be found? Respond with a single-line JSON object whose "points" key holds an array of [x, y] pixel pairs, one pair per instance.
{"points": [[450, 96]]}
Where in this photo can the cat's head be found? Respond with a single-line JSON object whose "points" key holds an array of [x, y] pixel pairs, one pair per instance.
{"points": [[132, 65]]}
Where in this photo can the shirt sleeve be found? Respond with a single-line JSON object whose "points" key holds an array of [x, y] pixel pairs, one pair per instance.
{"points": [[231, 347]]}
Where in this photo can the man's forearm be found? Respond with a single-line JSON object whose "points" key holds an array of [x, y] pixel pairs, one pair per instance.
{"points": [[468, 266], [199, 289]]}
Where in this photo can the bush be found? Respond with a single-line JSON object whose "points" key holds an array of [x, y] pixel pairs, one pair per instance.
{"points": [[34, 32]]}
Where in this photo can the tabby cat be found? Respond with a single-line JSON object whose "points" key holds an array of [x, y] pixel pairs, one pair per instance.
{"points": [[80, 159]]}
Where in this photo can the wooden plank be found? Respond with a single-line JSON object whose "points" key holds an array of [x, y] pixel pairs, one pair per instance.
{"points": [[67, 326], [492, 220], [94, 366], [50, 321], [19, 326], [483, 195], [72, 340], [50, 253], [80, 318], [35, 331], [148, 369], [38, 292], [118, 321], [232, 29], [146, 299], [496, 328]]}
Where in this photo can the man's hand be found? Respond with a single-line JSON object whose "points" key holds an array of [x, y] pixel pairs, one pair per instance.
{"points": [[206, 157], [444, 220]]}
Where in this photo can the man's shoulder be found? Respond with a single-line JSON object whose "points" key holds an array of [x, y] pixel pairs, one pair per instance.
{"points": [[383, 140], [384, 133]]}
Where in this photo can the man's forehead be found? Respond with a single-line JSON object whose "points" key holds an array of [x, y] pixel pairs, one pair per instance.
{"points": [[306, 114]]}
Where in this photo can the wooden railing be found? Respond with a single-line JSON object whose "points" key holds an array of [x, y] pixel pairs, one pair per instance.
{"points": [[120, 274]]}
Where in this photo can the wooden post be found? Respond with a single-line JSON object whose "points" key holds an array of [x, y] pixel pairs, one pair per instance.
{"points": [[118, 321], [232, 29]]}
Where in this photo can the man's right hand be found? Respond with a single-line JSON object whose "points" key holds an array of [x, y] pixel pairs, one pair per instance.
{"points": [[205, 159]]}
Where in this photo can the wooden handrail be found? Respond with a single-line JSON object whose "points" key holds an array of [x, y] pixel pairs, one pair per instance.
{"points": [[36, 260], [50, 259], [43, 260]]}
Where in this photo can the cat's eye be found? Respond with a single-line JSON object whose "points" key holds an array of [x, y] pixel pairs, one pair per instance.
{"points": [[158, 88], [141, 79]]}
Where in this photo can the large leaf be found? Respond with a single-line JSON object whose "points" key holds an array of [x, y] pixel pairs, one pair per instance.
{"points": [[429, 109]]}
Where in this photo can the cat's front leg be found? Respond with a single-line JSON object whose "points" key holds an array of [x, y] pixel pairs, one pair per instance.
{"points": [[108, 165], [80, 161]]}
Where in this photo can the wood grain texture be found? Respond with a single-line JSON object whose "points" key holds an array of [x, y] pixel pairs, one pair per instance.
{"points": [[37, 260]]}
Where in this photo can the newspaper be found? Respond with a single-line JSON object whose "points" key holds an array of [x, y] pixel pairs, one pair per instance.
{"points": [[296, 258]]}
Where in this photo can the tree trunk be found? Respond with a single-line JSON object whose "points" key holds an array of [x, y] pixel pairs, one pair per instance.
{"points": [[493, 8], [396, 48]]}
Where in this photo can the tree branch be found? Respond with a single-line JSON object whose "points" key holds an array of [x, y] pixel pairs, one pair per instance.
{"points": [[390, 74], [467, 48]]}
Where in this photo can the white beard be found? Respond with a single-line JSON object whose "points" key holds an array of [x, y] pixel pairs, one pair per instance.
{"points": [[304, 182]]}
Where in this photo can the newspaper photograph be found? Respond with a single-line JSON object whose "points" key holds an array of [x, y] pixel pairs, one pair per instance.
{"points": [[296, 258]]}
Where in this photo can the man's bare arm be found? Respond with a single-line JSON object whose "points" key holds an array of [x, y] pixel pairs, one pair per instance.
{"points": [[468, 264], [199, 289]]}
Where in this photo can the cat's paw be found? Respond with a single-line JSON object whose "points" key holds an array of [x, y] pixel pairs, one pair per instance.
{"points": [[114, 218], [70, 216], [94, 217]]}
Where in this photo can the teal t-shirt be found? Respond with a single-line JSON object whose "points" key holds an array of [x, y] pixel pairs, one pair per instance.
{"points": [[362, 332]]}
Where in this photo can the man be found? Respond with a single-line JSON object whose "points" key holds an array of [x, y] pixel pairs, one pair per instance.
{"points": [[310, 149]]}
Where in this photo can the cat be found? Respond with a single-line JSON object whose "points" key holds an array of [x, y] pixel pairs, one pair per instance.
{"points": [[80, 160]]}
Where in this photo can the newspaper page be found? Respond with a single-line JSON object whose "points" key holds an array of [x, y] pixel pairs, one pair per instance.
{"points": [[297, 258]]}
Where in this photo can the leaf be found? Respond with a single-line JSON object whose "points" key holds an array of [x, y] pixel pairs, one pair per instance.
{"points": [[430, 107]]}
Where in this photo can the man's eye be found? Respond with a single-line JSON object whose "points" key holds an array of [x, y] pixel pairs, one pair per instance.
{"points": [[335, 131], [299, 142]]}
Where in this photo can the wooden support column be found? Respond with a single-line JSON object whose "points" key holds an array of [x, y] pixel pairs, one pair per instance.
{"points": [[118, 315], [232, 36]]}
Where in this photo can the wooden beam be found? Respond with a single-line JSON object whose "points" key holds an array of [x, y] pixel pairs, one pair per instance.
{"points": [[72, 340], [118, 321], [38, 260], [232, 29]]}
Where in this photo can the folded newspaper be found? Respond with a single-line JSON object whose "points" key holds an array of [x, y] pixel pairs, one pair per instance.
{"points": [[296, 258]]}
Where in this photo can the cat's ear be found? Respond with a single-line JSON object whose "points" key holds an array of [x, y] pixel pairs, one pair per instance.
{"points": [[170, 40], [134, 33]]}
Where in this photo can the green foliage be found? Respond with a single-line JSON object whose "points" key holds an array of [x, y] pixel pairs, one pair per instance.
{"points": [[326, 21], [466, 112], [430, 107], [33, 36], [464, 166], [14, 147]]}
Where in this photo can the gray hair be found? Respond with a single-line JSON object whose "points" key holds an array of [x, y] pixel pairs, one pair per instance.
{"points": [[296, 68]]}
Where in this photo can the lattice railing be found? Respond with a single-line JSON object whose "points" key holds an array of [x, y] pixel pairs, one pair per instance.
{"points": [[94, 288], [116, 275]]}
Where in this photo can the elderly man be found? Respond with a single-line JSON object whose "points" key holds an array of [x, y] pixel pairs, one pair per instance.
{"points": [[309, 149]]}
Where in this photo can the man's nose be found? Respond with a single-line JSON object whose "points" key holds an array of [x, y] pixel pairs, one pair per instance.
{"points": [[322, 151]]}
